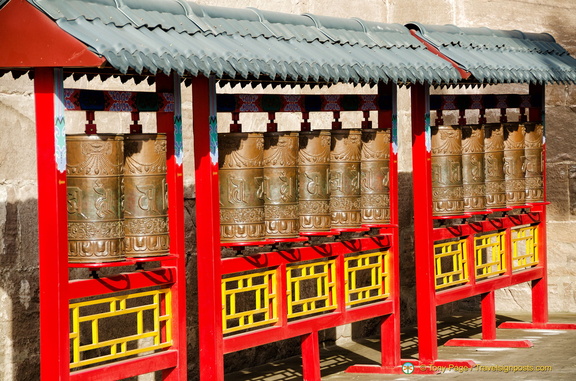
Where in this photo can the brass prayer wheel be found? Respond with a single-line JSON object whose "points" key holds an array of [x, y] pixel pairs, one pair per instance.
{"points": [[313, 185], [94, 198], [473, 168], [345, 158], [374, 180], [534, 162], [495, 180], [280, 161], [514, 164], [447, 189], [241, 187], [145, 196]]}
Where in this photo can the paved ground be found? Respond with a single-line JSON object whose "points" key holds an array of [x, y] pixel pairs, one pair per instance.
{"points": [[553, 351]]}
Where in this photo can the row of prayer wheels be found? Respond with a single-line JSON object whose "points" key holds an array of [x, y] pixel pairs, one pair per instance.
{"points": [[116, 197], [478, 168], [282, 185]]}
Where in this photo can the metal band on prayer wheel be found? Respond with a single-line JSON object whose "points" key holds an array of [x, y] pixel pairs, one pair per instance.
{"points": [[533, 151], [281, 184], [313, 185], [473, 168], [375, 168], [241, 187], [514, 164], [94, 198], [447, 192], [495, 180], [145, 196], [345, 179]]}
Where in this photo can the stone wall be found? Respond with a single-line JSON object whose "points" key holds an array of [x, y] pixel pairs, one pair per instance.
{"points": [[19, 296]]}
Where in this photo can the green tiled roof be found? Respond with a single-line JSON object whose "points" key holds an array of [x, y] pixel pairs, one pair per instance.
{"points": [[151, 36], [502, 56]]}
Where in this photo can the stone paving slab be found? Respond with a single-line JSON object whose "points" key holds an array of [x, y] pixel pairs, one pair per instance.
{"points": [[553, 356]]}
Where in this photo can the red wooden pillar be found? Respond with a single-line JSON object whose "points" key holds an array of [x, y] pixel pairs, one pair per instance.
{"points": [[52, 224], [310, 357], [170, 123], [390, 325], [423, 224], [208, 229]]}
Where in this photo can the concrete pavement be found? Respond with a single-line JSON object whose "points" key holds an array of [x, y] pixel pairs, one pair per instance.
{"points": [[553, 356]]}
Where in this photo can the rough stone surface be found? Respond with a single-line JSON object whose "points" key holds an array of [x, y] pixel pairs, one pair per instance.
{"points": [[19, 294]]}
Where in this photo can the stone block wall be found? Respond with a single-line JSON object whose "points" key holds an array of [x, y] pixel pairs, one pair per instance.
{"points": [[19, 294]]}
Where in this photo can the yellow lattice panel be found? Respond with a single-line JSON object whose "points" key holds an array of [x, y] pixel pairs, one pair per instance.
{"points": [[116, 327], [249, 301], [311, 288], [450, 264], [524, 247], [490, 256], [367, 277]]}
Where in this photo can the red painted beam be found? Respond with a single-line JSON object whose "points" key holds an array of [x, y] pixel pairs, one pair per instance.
{"points": [[35, 40], [128, 368], [121, 282], [272, 259], [301, 327]]}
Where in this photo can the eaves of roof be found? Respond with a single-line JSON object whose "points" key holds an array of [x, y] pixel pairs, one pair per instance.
{"points": [[501, 56], [151, 36]]}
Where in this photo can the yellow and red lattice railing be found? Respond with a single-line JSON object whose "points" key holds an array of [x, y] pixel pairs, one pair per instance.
{"points": [[450, 264], [524, 247], [249, 301], [120, 326], [311, 288], [490, 254], [367, 277]]}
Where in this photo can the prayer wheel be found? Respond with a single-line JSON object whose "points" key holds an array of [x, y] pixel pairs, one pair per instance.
{"points": [[345, 158], [374, 181], [280, 162], [495, 180], [241, 187], [145, 196], [514, 164], [534, 162], [94, 198], [313, 185], [473, 168], [447, 189]]}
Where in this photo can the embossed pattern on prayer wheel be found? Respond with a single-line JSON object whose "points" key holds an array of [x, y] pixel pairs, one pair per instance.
{"points": [[145, 196], [94, 198], [345, 179], [280, 162], [495, 180], [473, 168], [534, 162], [514, 164], [447, 190], [313, 185], [241, 187], [374, 180]]}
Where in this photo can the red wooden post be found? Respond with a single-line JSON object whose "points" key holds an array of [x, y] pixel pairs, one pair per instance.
{"points": [[310, 357], [52, 225], [423, 224], [170, 123], [208, 229], [489, 316], [540, 286], [390, 325]]}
